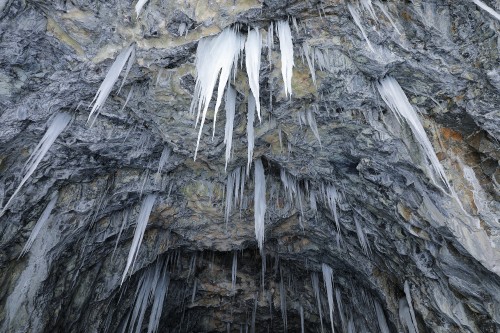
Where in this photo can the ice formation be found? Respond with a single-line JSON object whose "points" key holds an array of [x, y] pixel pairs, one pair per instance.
{"points": [[328, 279], [253, 47], [58, 124], [139, 5], [410, 304], [259, 202], [357, 20], [487, 8], [315, 285], [250, 131], [230, 107], [111, 78], [40, 223], [142, 221], [398, 103], [286, 48], [215, 58], [382, 323]]}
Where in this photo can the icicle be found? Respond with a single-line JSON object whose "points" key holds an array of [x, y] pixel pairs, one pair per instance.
{"points": [[40, 223], [357, 20], [286, 49], [242, 187], [270, 40], [283, 304], [405, 315], [384, 10], [398, 103], [214, 55], [165, 155], [367, 5], [382, 323], [361, 236], [315, 285], [410, 304], [253, 48], [234, 270], [193, 294], [58, 124], [128, 98], [250, 131], [312, 124], [110, 79], [139, 5], [142, 221], [350, 326], [490, 10], [338, 297], [159, 297], [301, 310], [124, 222], [230, 110], [232, 191], [254, 313], [259, 202], [310, 60], [328, 278]]}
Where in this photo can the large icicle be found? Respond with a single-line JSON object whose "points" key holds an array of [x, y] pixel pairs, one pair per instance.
{"points": [[487, 8], [40, 223], [111, 78], [315, 284], [158, 299], [230, 110], [142, 221], [214, 56], [398, 103], [286, 49], [259, 202], [250, 131], [405, 315], [58, 124], [357, 20], [253, 47], [328, 278]]}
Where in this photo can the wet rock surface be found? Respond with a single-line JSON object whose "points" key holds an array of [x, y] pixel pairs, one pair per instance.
{"points": [[445, 56]]}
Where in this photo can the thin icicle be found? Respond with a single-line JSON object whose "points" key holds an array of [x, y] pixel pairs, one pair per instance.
{"points": [[139, 5], [405, 315], [110, 80], [58, 124], [382, 323], [254, 313], [214, 56], [283, 304], [487, 8], [253, 47], [160, 293], [328, 278], [233, 184], [286, 49], [308, 53], [234, 271], [338, 297], [398, 103], [410, 304], [142, 221], [165, 155], [312, 124], [301, 310], [250, 131], [315, 285], [384, 10], [128, 98], [357, 20], [40, 223], [361, 236], [259, 202], [270, 41], [367, 5], [124, 222], [230, 110]]}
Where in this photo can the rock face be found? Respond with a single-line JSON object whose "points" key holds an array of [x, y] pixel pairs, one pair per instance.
{"points": [[358, 195]]}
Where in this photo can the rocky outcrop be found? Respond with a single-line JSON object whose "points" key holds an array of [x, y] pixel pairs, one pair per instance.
{"points": [[396, 241]]}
